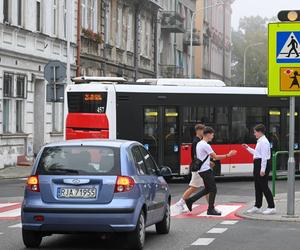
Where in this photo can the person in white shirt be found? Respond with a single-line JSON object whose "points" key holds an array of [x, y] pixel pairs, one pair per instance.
{"points": [[261, 170], [196, 181], [204, 151]]}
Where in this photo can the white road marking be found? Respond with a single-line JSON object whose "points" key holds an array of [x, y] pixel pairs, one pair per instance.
{"points": [[1, 233], [203, 241], [216, 230], [11, 213], [225, 209], [7, 204], [229, 222], [23, 179], [16, 226]]}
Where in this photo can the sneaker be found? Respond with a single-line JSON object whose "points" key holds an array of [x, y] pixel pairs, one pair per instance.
{"points": [[213, 212], [189, 205], [254, 210], [179, 207], [269, 211], [218, 210]]}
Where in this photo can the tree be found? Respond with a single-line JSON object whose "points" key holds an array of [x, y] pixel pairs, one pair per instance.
{"points": [[252, 30]]}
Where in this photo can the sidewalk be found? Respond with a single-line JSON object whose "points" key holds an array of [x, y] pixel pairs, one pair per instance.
{"points": [[15, 172], [281, 209]]}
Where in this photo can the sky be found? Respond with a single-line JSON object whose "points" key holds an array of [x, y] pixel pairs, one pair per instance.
{"points": [[264, 8]]}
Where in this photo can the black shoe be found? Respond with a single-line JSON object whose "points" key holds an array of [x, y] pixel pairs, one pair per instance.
{"points": [[213, 212], [189, 205]]}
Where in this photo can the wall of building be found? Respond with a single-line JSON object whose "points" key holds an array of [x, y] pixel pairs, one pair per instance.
{"points": [[27, 121], [210, 21]]}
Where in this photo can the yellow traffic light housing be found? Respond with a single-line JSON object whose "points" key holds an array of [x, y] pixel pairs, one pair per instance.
{"points": [[289, 16]]}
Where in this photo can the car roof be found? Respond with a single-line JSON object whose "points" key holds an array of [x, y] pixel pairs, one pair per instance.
{"points": [[93, 142]]}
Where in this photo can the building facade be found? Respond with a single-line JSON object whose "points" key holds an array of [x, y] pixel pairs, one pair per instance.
{"points": [[119, 38], [213, 56], [32, 32], [175, 25]]}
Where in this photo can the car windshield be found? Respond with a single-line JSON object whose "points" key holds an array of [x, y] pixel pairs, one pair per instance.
{"points": [[79, 160]]}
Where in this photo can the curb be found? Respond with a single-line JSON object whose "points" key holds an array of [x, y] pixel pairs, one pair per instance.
{"points": [[241, 213]]}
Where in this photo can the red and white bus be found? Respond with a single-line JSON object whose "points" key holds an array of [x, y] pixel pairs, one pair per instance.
{"points": [[162, 114]]}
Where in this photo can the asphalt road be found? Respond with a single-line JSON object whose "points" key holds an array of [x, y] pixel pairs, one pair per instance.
{"points": [[188, 232]]}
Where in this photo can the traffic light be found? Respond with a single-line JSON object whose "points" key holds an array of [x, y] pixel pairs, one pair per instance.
{"points": [[289, 16]]}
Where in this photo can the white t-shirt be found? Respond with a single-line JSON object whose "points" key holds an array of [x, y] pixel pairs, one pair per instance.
{"points": [[203, 149]]}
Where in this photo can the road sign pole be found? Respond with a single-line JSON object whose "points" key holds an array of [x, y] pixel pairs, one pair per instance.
{"points": [[291, 161]]}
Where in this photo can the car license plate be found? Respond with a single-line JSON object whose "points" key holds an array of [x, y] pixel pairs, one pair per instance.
{"points": [[82, 193]]}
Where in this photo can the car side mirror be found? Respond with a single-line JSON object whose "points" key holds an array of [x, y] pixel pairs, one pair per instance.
{"points": [[165, 171]]}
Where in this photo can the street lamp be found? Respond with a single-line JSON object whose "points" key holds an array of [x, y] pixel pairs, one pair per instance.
{"points": [[245, 54], [221, 2]]}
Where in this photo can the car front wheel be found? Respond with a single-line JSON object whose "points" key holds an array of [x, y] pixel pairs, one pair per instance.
{"points": [[137, 237], [31, 239], [163, 227]]}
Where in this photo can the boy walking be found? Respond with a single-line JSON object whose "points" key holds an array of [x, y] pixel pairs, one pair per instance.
{"points": [[203, 150], [196, 181]]}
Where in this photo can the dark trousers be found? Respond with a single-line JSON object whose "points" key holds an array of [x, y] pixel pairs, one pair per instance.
{"points": [[261, 185], [209, 188]]}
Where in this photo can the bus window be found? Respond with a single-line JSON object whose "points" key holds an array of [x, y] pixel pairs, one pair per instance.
{"points": [[221, 125], [255, 116], [243, 121], [240, 132], [150, 137], [87, 102]]}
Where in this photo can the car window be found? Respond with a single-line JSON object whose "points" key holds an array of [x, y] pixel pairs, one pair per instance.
{"points": [[82, 160], [138, 159], [150, 164]]}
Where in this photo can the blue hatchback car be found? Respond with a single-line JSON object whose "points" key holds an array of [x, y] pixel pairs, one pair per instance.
{"points": [[95, 186]]}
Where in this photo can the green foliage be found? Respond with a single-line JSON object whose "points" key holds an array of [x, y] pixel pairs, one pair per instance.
{"points": [[251, 30]]}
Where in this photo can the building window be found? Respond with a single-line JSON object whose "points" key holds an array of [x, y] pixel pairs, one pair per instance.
{"points": [[8, 85], [38, 16], [55, 16], [14, 94], [65, 18], [108, 22], [19, 116], [57, 117], [88, 15], [20, 14], [91, 15], [20, 86], [130, 33], [6, 116], [119, 26], [6, 12]]}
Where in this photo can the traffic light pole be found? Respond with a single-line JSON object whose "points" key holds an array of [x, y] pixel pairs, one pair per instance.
{"points": [[291, 161]]}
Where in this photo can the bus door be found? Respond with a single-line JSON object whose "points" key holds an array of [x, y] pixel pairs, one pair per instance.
{"points": [[161, 135]]}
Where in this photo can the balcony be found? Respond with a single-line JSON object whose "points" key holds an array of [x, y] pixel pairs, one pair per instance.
{"points": [[173, 22], [171, 71], [196, 38]]}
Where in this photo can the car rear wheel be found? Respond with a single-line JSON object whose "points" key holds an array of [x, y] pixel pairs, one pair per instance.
{"points": [[31, 239], [163, 227], [137, 237]]}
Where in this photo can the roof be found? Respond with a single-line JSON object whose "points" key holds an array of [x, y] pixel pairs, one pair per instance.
{"points": [[91, 142], [102, 79], [183, 82]]}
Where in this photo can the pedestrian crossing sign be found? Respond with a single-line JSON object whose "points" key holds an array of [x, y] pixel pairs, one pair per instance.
{"points": [[284, 59], [288, 47]]}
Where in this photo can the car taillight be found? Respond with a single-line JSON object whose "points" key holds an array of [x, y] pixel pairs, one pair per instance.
{"points": [[124, 184], [33, 183]]}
